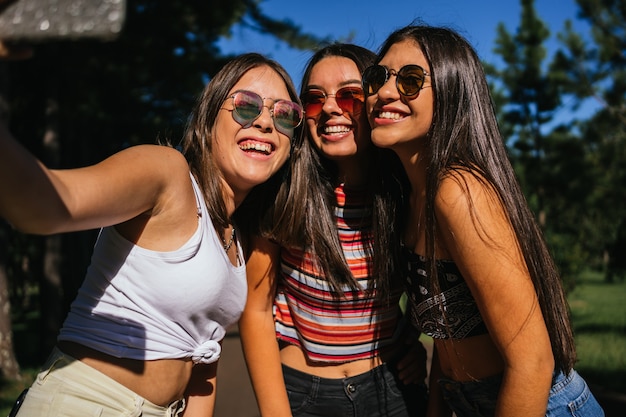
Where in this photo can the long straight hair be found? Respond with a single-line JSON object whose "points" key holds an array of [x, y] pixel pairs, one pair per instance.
{"points": [[304, 217], [464, 135]]}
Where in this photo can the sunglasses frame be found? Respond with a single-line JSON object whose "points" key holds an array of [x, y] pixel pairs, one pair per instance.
{"points": [[337, 96], [245, 122], [400, 77]]}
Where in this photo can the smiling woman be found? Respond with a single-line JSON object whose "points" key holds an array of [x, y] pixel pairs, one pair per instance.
{"points": [[322, 331], [479, 277], [167, 277]]}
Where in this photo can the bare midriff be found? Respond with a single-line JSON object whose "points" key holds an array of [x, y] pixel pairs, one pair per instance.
{"points": [[469, 359], [159, 381], [294, 357]]}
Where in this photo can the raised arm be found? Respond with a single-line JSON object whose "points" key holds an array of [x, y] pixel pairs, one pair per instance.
{"points": [[38, 200], [481, 241], [258, 334]]}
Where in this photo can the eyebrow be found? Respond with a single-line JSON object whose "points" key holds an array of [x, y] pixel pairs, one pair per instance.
{"points": [[341, 84]]}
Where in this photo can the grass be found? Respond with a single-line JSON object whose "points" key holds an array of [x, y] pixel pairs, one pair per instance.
{"points": [[598, 316], [599, 320]]}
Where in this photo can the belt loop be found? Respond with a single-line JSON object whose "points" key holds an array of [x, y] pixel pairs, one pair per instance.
{"points": [[138, 411], [176, 408]]}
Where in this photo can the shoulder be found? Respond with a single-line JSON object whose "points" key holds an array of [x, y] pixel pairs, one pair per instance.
{"points": [[463, 189], [465, 198]]}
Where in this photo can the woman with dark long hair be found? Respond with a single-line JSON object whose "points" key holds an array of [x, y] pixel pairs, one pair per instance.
{"points": [[480, 278], [167, 275], [323, 332]]}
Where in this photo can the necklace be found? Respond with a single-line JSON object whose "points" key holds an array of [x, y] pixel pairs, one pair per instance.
{"points": [[230, 241]]}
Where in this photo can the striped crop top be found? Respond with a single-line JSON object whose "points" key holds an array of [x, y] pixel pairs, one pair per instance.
{"points": [[332, 329]]}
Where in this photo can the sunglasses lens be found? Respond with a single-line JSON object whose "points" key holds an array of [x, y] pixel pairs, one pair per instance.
{"points": [[287, 116], [248, 107], [313, 102], [350, 99], [374, 77], [410, 79]]}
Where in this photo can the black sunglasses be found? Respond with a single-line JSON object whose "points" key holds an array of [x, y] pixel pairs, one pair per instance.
{"points": [[409, 79], [349, 99], [248, 106]]}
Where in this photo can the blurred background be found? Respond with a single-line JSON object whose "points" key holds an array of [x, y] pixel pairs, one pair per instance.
{"points": [[558, 77]]}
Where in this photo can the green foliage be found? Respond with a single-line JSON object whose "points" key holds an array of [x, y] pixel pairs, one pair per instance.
{"points": [[599, 321], [77, 102], [573, 174]]}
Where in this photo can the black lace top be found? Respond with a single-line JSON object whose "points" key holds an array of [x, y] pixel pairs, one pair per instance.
{"points": [[453, 313]]}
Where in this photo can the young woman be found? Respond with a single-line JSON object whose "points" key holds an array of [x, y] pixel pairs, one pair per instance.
{"points": [[329, 272], [480, 279], [167, 274]]}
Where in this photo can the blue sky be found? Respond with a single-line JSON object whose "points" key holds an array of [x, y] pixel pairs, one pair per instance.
{"points": [[370, 21]]}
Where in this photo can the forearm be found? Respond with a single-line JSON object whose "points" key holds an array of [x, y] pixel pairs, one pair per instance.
{"points": [[258, 339], [524, 392], [201, 391], [28, 194]]}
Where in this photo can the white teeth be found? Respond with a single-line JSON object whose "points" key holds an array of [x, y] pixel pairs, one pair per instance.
{"points": [[260, 147], [336, 129], [389, 115]]}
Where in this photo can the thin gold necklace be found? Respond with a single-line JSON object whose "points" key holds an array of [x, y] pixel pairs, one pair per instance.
{"points": [[230, 241]]}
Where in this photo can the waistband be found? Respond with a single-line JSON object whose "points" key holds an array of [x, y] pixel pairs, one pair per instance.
{"points": [[331, 384], [73, 372]]}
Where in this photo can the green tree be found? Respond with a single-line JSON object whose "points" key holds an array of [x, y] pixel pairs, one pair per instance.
{"points": [[594, 68], [77, 102], [530, 98]]}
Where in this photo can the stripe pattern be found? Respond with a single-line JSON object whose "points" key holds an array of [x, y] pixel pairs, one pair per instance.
{"points": [[329, 328]]}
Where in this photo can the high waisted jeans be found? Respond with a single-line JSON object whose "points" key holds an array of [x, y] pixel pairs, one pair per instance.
{"points": [[569, 396], [376, 393], [69, 388]]}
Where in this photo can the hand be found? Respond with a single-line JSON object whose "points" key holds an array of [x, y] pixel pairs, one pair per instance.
{"points": [[412, 367], [10, 52]]}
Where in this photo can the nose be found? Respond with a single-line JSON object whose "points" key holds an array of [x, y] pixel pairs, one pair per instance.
{"points": [[389, 90], [265, 120], [330, 105]]}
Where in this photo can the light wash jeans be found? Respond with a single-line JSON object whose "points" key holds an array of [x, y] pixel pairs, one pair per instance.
{"points": [[69, 388], [569, 396]]}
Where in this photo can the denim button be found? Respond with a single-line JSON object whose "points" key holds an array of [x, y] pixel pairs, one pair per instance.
{"points": [[351, 388]]}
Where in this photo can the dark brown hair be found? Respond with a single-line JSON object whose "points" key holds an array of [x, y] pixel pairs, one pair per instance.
{"points": [[465, 136]]}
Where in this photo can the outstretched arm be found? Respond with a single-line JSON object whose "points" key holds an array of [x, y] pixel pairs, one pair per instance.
{"points": [[145, 179], [258, 334]]}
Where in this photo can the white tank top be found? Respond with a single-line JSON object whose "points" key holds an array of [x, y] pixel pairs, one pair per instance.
{"points": [[141, 304]]}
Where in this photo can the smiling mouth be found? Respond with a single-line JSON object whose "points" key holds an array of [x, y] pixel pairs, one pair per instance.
{"points": [[337, 129], [390, 115], [264, 148]]}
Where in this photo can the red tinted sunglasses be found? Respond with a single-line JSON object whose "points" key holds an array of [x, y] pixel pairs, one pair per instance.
{"points": [[349, 99]]}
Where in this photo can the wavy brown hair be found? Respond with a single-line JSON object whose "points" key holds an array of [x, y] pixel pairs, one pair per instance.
{"points": [[197, 144]]}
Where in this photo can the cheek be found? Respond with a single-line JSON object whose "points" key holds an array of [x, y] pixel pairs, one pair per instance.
{"points": [[312, 135], [369, 106], [284, 151]]}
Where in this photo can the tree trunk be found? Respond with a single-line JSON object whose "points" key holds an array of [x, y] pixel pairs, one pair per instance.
{"points": [[9, 368]]}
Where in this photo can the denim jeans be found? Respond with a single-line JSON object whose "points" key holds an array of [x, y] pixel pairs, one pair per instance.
{"points": [[377, 393], [569, 396]]}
